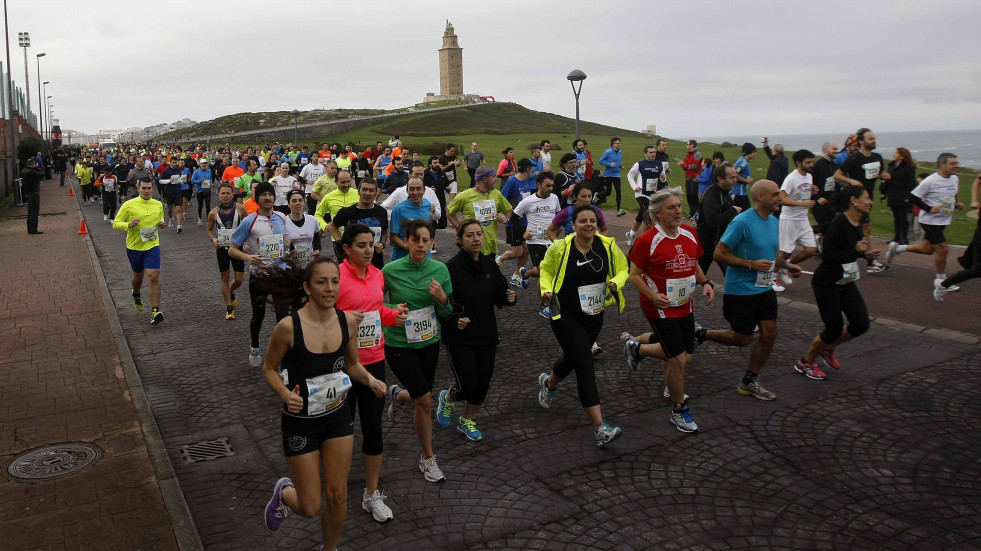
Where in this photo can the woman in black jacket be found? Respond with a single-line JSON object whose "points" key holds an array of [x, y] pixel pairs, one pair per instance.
{"points": [[470, 336], [902, 172]]}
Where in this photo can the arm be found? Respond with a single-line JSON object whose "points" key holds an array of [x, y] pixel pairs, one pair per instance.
{"points": [[974, 192], [790, 202], [352, 363], [279, 344], [723, 255], [636, 277], [335, 233], [633, 176], [840, 177], [768, 151], [547, 270]]}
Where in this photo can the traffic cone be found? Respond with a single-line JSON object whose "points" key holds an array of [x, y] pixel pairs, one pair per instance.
{"points": [[71, 191], [82, 230]]}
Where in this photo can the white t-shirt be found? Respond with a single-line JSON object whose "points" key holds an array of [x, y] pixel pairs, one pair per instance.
{"points": [[937, 190], [310, 173], [400, 194], [546, 160], [797, 186], [540, 213], [283, 186]]}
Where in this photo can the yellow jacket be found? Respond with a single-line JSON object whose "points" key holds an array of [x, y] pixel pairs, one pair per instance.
{"points": [[556, 258]]}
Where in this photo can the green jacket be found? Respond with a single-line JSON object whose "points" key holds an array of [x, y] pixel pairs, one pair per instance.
{"points": [[556, 258], [408, 282]]}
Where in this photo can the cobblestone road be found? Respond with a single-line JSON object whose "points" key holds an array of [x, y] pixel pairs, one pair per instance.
{"points": [[884, 454]]}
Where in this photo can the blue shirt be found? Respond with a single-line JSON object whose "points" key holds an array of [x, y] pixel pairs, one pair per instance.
{"points": [[743, 170], [752, 238], [185, 172], [705, 179], [200, 175], [537, 165], [611, 156], [581, 170], [514, 191], [254, 226], [402, 213]]}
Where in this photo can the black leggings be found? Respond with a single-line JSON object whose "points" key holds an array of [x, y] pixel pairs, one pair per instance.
{"points": [[975, 269], [900, 224], [643, 204], [472, 367], [371, 410], [258, 313], [86, 192], [576, 334], [204, 200], [109, 203], [691, 192], [838, 299], [611, 185], [311, 205]]}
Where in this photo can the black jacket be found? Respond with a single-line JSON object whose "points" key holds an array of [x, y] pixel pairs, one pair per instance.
{"points": [[477, 288], [779, 167], [395, 180], [31, 181], [897, 188], [715, 211]]}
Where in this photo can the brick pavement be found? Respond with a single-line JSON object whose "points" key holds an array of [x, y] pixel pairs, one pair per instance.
{"points": [[882, 454], [61, 380]]}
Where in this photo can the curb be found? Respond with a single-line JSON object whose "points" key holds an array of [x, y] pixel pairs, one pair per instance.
{"points": [[185, 531], [945, 334]]}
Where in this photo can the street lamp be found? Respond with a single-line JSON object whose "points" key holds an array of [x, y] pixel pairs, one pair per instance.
{"points": [[576, 76], [40, 103], [47, 110], [295, 115], [24, 40]]}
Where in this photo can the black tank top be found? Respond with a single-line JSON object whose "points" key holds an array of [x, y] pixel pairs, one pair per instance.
{"points": [[321, 377]]}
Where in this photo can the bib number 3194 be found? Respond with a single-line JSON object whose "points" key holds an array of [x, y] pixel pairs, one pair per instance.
{"points": [[420, 325]]}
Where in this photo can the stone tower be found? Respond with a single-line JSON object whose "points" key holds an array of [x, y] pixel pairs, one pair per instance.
{"points": [[450, 65]]}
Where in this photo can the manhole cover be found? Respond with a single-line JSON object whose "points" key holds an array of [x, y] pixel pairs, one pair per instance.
{"points": [[53, 461]]}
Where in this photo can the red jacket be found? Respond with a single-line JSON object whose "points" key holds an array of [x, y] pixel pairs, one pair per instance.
{"points": [[692, 164]]}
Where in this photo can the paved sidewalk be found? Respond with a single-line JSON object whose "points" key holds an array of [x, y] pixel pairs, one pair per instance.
{"points": [[884, 454], [61, 380]]}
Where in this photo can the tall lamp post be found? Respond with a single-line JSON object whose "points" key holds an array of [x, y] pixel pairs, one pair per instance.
{"points": [[576, 76], [24, 40], [40, 103], [47, 112], [295, 115]]}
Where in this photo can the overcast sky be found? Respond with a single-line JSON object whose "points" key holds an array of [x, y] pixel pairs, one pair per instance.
{"points": [[693, 68]]}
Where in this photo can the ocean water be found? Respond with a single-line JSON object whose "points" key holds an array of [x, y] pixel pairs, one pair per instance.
{"points": [[925, 146]]}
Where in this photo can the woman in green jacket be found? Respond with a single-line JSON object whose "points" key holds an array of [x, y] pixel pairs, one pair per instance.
{"points": [[412, 350], [581, 275]]}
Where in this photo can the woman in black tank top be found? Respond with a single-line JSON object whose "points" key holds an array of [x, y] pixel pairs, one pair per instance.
{"points": [[319, 362]]}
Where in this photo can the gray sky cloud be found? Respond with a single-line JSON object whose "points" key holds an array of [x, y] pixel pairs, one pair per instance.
{"points": [[692, 68]]}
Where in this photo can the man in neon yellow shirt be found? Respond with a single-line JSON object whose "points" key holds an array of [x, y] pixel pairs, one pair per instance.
{"points": [[326, 183], [141, 218], [483, 203], [343, 196]]}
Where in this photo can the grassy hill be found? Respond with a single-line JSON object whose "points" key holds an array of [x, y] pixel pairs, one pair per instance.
{"points": [[265, 119]]}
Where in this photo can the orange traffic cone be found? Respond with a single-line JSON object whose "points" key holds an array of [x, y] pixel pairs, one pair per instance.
{"points": [[82, 230], [71, 191]]}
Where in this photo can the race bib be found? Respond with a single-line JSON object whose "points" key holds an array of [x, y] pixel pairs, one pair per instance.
{"points": [[650, 185], [420, 325], [871, 170], [361, 174], [271, 246], [378, 233], [525, 194], [541, 232], [237, 180], [947, 205], [109, 184], [370, 330], [764, 279], [325, 393], [206, 184], [282, 193], [225, 236], [849, 273], [304, 161], [148, 234], [581, 170], [485, 211], [303, 252], [829, 183], [450, 176], [680, 290], [592, 298]]}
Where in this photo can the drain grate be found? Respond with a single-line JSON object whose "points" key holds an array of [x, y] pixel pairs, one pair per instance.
{"points": [[207, 450], [53, 461]]}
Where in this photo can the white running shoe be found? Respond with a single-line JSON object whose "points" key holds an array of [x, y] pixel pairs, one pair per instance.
{"points": [[777, 287], [785, 277], [430, 469], [255, 360], [938, 290], [892, 252], [374, 503], [630, 238]]}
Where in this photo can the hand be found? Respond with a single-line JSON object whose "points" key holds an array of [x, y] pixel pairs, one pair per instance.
{"points": [[874, 253], [511, 296], [294, 402], [462, 323], [255, 259], [815, 189], [527, 235], [766, 141], [885, 176], [809, 203], [161, 224], [935, 209], [402, 315], [862, 246], [501, 218], [794, 270], [976, 204], [379, 247], [134, 222], [708, 291], [378, 387], [749, 181], [546, 298], [661, 301], [436, 291], [761, 265], [822, 201], [738, 209], [612, 286], [959, 206], [216, 242], [357, 314]]}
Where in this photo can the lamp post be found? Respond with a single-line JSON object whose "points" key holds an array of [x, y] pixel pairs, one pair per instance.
{"points": [[47, 111], [40, 103], [576, 76], [10, 99], [24, 40], [295, 115]]}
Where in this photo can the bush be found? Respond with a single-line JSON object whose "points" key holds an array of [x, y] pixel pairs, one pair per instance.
{"points": [[727, 144], [28, 148]]}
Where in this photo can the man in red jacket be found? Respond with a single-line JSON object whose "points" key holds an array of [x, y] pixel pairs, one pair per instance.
{"points": [[692, 165]]}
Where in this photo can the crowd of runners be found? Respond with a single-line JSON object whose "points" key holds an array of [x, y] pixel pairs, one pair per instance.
{"points": [[382, 293]]}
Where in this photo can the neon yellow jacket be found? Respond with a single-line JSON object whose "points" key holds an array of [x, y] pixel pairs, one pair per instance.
{"points": [[149, 211], [556, 258]]}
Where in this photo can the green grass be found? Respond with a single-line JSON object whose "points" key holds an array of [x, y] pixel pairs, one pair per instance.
{"points": [[496, 126]]}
